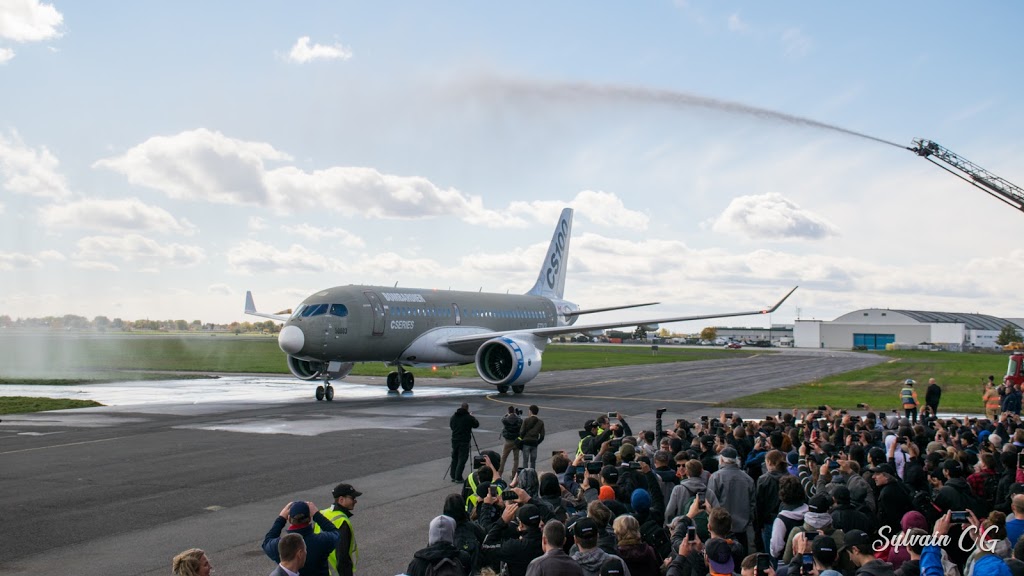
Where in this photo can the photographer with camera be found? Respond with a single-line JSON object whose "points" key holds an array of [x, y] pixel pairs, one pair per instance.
{"points": [[511, 424], [514, 539], [461, 424]]}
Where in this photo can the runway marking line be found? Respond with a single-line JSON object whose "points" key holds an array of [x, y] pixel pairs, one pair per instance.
{"points": [[63, 445]]}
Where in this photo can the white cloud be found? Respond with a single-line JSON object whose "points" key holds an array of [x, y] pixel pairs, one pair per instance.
{"points": [[220, 289], [6, 55], [96, 265], [257, 224], [603, 208], [52, 255], [198, 165], [28, 171], [121, 215], [202, 165], [771, 217], [795, 43], [29, 21], [318, 233], [252, 257], [17, 261], [736, 24], [303, 51], [137, 249]]}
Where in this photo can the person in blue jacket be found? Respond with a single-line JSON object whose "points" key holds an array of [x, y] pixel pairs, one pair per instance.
{"points": [[299, 516], [931, 556]]}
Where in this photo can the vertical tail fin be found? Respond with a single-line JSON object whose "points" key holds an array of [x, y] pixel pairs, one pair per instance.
{"points": [[551, 280]]}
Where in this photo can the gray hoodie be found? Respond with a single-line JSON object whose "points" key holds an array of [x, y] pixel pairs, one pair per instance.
{"points": [[591, 560], [734, 488], [681, 494]]}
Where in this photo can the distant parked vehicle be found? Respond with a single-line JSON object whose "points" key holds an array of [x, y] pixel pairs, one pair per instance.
{"points": [[734, 345]]}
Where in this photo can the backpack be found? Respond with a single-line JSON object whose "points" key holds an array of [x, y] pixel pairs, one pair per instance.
{"points": [[445, 567], [700, 520], [465, 541], [655, 535]]}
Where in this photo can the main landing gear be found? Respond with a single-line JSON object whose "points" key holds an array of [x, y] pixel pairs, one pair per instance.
{"points": [[516, 388], [325, 392], [401, 378]]}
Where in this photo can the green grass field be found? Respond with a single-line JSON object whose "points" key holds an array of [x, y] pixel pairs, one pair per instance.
{"points": [[26, 404], [959, 374]]}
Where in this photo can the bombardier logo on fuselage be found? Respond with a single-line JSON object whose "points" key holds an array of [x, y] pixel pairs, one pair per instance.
{"points": [[556, 256], [402, 297]]}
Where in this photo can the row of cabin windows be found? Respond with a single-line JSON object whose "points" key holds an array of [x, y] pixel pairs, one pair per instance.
{"points": [[309, 310], [406, 311]]}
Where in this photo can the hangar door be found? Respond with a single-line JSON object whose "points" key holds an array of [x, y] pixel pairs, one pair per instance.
{"points": [[873, 341]]}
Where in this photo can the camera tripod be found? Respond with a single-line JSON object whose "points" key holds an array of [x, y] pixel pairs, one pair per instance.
{"points": [[472, 436]]}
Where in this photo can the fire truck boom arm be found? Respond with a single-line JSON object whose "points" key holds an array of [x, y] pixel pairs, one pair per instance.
{"points": [[970, 172]]}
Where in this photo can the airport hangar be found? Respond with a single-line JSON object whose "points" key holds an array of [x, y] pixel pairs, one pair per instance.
{"points": [[873, 328]]}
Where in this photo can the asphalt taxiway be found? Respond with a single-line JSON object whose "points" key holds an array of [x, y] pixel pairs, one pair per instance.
{"points": [[172, 465]]}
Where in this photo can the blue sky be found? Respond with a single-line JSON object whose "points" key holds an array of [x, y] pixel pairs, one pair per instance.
{"points": [[158, 159]]}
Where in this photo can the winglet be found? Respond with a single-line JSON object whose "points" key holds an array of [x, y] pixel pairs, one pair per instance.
{"points": [[250, 306], [779, 303], [250, 309]]}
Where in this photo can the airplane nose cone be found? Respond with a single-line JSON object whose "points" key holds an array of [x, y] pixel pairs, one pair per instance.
{"points": [[291, 339]]}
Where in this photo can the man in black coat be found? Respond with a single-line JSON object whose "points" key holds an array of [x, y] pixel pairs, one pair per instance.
{"points": [[515, 547], [932, 396], [440, 548], [462, 424]]}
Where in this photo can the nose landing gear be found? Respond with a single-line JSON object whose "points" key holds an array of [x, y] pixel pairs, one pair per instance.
{"points": [[326, 391]]}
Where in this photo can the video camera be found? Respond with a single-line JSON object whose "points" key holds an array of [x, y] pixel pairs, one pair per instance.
{"points": [[479, 460], [519, 411]]}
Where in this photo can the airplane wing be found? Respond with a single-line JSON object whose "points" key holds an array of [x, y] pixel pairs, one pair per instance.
{"points": [[250, 309], [576, 313], [467, 342]]}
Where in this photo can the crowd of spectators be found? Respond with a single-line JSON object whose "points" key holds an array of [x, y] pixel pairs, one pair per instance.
{"points": [[819, 492]]}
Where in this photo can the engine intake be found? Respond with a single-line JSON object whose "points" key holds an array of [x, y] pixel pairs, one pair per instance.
{"points": [[506, 361], [315, 370]]}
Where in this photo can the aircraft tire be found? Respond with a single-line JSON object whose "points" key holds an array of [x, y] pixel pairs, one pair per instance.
{"points": [[502, 389], [319, 393], [393, 381], [518, 388], [329, 393], [408, 381]]}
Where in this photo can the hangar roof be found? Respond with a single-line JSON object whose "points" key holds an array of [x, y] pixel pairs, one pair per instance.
{"points": [[970, 321]]}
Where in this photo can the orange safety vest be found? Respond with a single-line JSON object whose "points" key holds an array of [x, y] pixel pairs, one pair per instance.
{"points": [[991, 399]]}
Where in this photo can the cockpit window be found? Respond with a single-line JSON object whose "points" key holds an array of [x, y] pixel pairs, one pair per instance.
{"points": [[339, 310], [314, 310], [298, 311]]}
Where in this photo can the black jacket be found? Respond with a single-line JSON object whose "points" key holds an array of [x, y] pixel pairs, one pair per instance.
{"points": [[931, 397], [462, 424], [423, 559], [516, 553]]}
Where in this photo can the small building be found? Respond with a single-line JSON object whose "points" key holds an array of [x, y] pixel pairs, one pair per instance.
{"points": [[751, 335], [874, 328]]}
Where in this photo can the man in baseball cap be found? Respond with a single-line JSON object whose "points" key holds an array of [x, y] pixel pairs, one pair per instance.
{"points": [[340, 515], [719, 556]]}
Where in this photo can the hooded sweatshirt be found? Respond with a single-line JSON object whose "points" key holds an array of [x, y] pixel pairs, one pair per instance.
{"points": [[591, 560], [423, 559], [779, 532], [682, 493]]}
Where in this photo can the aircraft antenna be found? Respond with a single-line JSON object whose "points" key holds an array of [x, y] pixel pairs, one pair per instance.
{"points": [[396, 283]]}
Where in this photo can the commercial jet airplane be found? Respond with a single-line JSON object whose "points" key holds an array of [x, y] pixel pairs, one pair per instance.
{"points": [[504, 335]]}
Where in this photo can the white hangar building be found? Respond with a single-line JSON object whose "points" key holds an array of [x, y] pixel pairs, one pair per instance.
{"points": [[873, 328]]}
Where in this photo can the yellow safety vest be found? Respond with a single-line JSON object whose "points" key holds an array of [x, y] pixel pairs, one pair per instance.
{"points": [[908, 397], [472, 499], [337, 517]]}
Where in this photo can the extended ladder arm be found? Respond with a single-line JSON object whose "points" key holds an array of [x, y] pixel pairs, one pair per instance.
{"points": [[970, 172]]}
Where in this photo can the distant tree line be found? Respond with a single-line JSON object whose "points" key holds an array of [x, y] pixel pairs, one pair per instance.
{"points": [[105, 324]]}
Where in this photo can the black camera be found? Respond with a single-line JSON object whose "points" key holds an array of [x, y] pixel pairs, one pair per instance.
{"points": [[509, 494], [659, 412], [615, 443], [728, 415], [519, 411], [632, 465], [594, 467], [958, 517], [479, 460]]}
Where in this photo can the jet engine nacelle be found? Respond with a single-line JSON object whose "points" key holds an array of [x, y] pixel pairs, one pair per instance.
{"points": [[315, 370], [507, 361]]}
